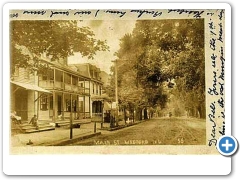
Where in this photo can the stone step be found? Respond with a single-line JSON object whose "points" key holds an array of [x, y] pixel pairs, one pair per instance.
{"points": [[29, 128], [40, 126], [39, 129], [67, 123]]}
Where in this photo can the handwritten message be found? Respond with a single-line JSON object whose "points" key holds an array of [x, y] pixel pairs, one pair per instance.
{"points": [[216, 114], [134, 13]]}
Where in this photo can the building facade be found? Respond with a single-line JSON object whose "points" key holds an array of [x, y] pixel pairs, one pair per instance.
{"points": [[95, 85], [59, 93]]}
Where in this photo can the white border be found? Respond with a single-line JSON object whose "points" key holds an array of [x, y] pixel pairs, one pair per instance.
{"points": [[116, 164]]}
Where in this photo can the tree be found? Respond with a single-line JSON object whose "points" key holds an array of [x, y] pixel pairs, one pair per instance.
{"points": [[56, 39], [161, 51]]}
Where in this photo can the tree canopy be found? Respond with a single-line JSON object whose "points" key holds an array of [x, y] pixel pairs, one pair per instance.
{"points": [[167, 57], [56, 39]]}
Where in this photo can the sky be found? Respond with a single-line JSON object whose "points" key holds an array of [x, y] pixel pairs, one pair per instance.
{"points": [[110, 30]]}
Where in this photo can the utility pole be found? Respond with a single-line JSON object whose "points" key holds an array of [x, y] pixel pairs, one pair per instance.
{"points": [[116, 92], [71, 116]]}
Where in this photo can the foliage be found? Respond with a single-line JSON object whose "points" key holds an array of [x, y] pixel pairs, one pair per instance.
{"points": [[164, 51], [56, 39]]}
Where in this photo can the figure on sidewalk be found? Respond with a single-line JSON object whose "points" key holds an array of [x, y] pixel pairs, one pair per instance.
{"points": [[34, 121], [15, 118]]}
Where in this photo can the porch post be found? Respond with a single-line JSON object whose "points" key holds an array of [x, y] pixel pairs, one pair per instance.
{"points": [[77, 107], [54, 106], [71, 128], [62, 105], [102, 114]]}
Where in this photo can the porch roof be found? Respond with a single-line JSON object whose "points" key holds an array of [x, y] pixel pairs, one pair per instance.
{"points": [[109, 106], [100, 97], [32, 87]]}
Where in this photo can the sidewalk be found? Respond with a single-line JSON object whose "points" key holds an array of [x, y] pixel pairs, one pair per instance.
{"points": [[58, 135], [61, 136]]}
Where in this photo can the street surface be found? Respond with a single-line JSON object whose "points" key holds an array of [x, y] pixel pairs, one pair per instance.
{"points": [[158, 131]]}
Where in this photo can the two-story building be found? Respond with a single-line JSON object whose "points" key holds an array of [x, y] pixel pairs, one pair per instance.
{"points": [[70, 93], [59, 92], [95, 85], [25, 93]]}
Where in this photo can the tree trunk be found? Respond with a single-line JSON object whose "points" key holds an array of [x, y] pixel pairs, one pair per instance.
{"points": [[145, 113], [201, 110], [125, 118], [140, 113]]}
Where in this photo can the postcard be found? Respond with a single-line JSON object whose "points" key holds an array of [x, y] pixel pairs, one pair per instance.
{"points": [[115, 83]]}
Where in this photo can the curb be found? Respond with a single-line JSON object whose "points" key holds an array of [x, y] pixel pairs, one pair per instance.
{"points": [[70, 141], [122, 127]]}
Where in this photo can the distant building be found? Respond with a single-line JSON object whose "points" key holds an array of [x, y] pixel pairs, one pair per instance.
{"points": [[96, 86], [105, 78]]}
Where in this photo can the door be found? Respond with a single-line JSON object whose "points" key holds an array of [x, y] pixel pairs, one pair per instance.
{"points": [[21, 104], [59, 104]]}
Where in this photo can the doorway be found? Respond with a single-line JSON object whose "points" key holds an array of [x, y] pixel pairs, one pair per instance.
{"points": [[59, 104]]}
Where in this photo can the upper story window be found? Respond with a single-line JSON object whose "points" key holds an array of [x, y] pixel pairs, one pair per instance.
{"points": [[49, 75], [96, 75], [74, 80], [96, 89], [67, 78], [59, 75], [93, 90]]}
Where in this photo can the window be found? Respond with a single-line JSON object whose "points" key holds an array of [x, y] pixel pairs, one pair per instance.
{"points": [[67, 78], [74, 104], [96, 89], [68, 105], [80, 84], [44, 77], [96, 75], [51, 74], [93, 88], [59, 75], [51, 103], [100, 90], [74, 80], [44, 103]]}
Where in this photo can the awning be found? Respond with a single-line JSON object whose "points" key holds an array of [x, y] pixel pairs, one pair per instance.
{"points": [[100, 97], [109, 106], [32, 87]]}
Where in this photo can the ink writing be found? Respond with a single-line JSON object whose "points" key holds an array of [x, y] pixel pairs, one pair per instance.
{"points": [[53, 13], [141, 12], [196, 14], [213, 90]]}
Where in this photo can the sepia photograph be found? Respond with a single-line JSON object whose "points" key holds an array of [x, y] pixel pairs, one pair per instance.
{"points": [[118, 82], [94, 86], [110, 81]]}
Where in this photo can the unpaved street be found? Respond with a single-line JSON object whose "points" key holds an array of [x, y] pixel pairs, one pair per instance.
{"points": [[162, 131]]}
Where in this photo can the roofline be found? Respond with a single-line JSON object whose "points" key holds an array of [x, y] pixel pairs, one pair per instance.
{"points": [[65, 68]]}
